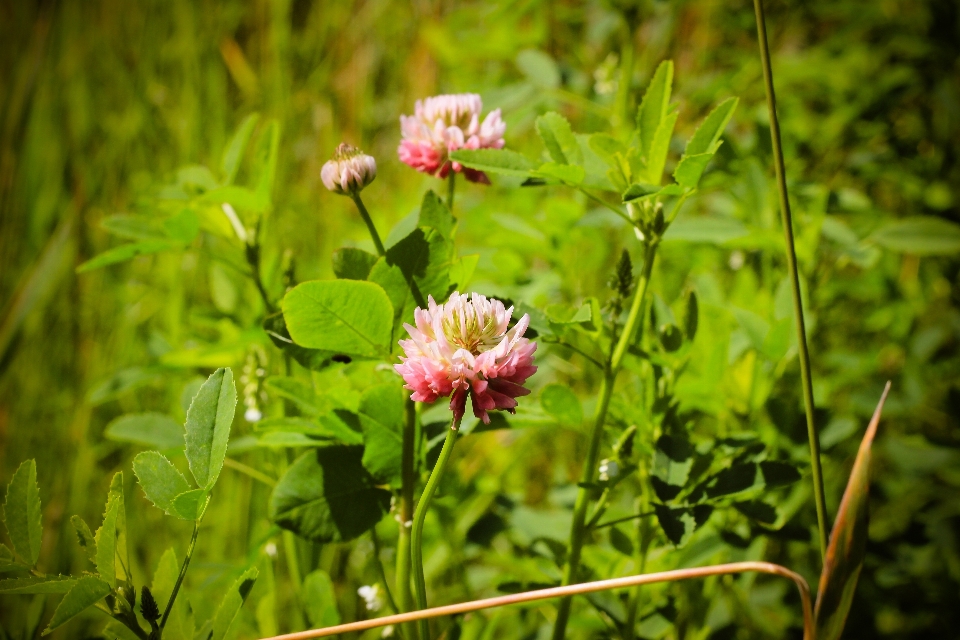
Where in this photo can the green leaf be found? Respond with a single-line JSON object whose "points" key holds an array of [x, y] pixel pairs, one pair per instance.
{"points": [[352, 264], [735, 479], [38, 584], [639, 190], [183, 227], [328, 496], [679, 524], [180, 624], [345, 316], [21, 512], [919, 235], [672, 462], [424, 255], [759, 511], [85, 538], [671, 338], [161, 481], [148, 429], [87, 591], [233, 154], [382, 419], [306, 399], [657, 154], [778, 474], [8, 562], [572, 175], [558, 137], [134, 227], [240, 198], [461, 270], [690, 168], [848, 541], [501, 161], [755, 327], [539, 68], [710, 229], [607, 147], [435, 214], [111, 537], [231, 603], [319, 600], [710, 130], [653, 107], [562, 403], [190, 505], [208, 427], [127, 252]]}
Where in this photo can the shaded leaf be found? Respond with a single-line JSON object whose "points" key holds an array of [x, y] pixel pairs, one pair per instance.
{"points": [[435, 215], [87, 591], [328, 496], [691, 316], [639, 190], [352, 264], [21, 512], [147, 429], [778, 474], [160, 480], [85, 538], [737, 478], [672, 461], [208, 427], [919, 235], [848, 541], [346, 316], [231, 603], [298, 392], [679, 524], [759, 511]]}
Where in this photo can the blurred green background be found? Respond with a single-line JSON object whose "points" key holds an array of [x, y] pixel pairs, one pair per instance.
{"points": [[102, 101]]}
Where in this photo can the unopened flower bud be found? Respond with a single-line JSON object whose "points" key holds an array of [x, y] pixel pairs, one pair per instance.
{"points": [[349, 171]]}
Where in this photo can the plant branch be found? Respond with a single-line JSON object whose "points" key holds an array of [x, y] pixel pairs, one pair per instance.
{"points": [[578, 529], [420, 515], [575, 349], [451, 187], [573, 590], [408, 482], [787, 219], [183, 573], [604, 203], [249, 471]]}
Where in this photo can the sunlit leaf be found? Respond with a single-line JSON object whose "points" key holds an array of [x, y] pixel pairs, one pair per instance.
{"points": [[848, 541], [85, 538], [38, 584], [180, 624], [653, 107], [232, 601], [208, 427], [85, 593], [319, 600], [920, 235], [558, 138], [233, 154], [352, 264], [111, 537], [148, 429], [346, 316], [710, 130], [382, 419], [127, 252], [503, 161], [562, 403], [161, 481]]}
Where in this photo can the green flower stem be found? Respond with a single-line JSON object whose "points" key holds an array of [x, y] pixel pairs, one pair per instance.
{"points": [[183, 573], [421, 514], [578, 529], [383, 574], [414, 289], [369, 222], [451, 186], [405, 512], [644, 537], [787, 219]]}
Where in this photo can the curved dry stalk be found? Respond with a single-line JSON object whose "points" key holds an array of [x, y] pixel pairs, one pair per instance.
{"points": [[573, 590]]}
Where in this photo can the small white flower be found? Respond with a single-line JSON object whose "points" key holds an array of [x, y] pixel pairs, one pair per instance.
{"points": [[270, 549], [252, 414], [608, 469], [387, 631], [371, 596], [736, 260]]}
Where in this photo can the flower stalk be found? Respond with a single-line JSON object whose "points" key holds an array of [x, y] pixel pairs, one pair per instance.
{"points": [[579, 529], [787, 220], [421, 514]]}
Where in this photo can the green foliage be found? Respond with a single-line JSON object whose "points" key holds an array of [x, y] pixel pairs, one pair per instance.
{"points": [[208, 427], [21, 513], [86, 592], [146, 429], [319, 600], [231, 603], [328, 496]]}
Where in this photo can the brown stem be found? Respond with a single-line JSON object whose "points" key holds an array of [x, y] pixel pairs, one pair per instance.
{"points": [[573, 590]]}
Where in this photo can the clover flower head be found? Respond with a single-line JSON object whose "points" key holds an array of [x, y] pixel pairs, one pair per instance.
{"points": [[442, 124], [466, 347], [349, 171]]}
